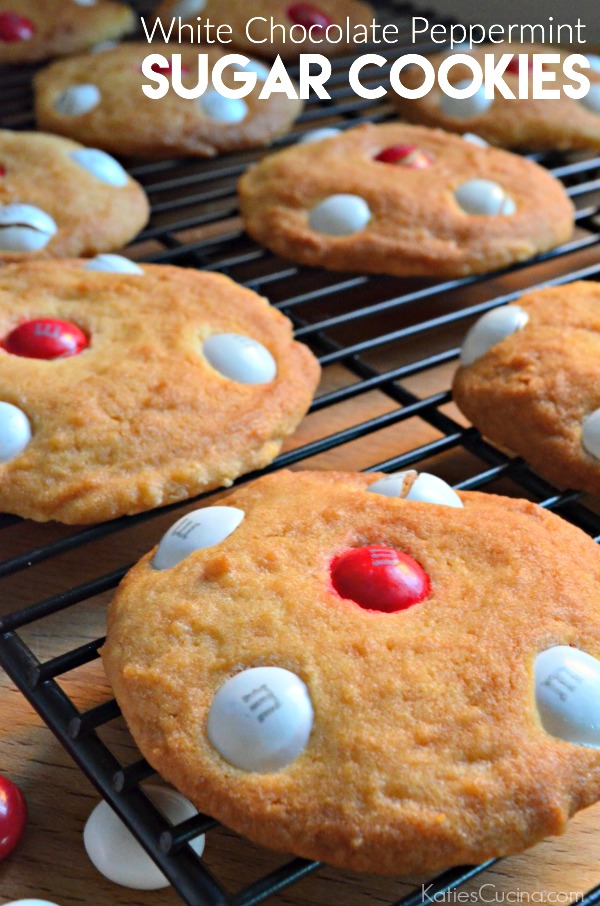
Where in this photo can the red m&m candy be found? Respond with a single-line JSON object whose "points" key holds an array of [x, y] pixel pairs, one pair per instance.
{"points": [[405, 156], [13, 816], [379, 578], [45, 338], [15, 28], [513, 66], [308, 15]]}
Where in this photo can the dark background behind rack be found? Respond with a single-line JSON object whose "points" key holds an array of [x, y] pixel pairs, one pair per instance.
{"points": [[388, 349]]}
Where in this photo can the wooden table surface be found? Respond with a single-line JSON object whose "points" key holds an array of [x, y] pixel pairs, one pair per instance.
{"points": [[51, 862]]}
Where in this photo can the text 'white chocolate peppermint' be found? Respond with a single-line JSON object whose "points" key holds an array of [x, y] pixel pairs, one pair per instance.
{"points": [[187, 8], [221, 109], [112, 264], [195, 531], [484, 197], [77, 100], [15, 431], [319, 135], [490, 329], [340, 215], [25, 228], [101, 165], [240, 358], [466, 107], [592, 99], [115, 852], [261, 719], [567, 694], [590, 434], [425, 487]]}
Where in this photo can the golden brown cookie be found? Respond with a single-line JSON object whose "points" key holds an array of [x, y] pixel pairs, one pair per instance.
{"points": [[98, 99], [403, 200], [529, 381], [536, 125], [131, 389], [32, 30], [59, 199], [378, 681], [270, 28]]}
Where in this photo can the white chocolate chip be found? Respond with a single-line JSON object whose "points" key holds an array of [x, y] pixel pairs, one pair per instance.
{"points": [[254, 66], [594, 61], [25, 228], [467, 107], [101, 165], [340, 215], [115, 852], [476, 140], [240, 358], [85, 2], [221, 109], [15, 431], [30, 902], [567, 694], [103, 46], [483, 197], [197, 530], [590, 434], [261, 719], [77, 100], [112, 264], [490, 329], [187, 8], [319, 135], [592, 99], [425, 487]]}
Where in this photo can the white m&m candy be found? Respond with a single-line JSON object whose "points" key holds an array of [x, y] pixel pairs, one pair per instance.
{"points": [[592, 99], [240, 358], [15, 431], [594, 61], [484, 197], [567, 694], [261, 719], [25, 228], [490, 329], [112, 264], [590, 434], [115, 852], [466, 107], [186, 8], [199, 529], [77, 100], [319, 135], [426, 488], [30, 902], [101, 165], [222, 109], [340, 215]]}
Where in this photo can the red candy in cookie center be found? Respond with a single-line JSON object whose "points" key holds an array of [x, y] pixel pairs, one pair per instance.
{"points": [[15, 28], [308, 15], [45, 338], [379, 578], [405, 156], [513, 65]]}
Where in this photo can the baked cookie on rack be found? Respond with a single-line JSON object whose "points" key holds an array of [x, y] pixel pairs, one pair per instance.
{"points": [[403, 200], [33, 30], [529, 381], [127, 387], [529, 124], [60, 199], [266, 28], [98, 99], [368, 670]]}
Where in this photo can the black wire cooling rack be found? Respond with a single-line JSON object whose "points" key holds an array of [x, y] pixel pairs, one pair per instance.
{"points": [[377, 338]]}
